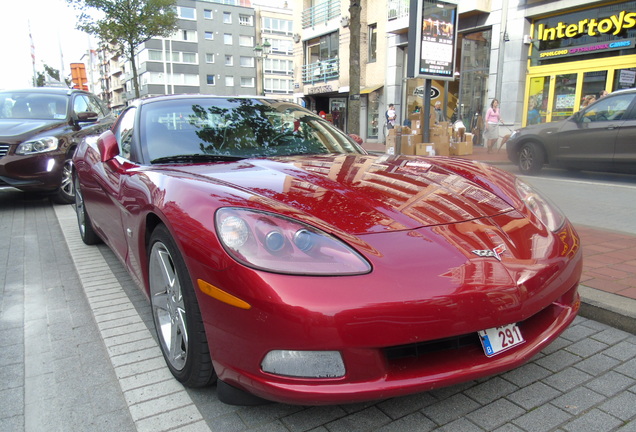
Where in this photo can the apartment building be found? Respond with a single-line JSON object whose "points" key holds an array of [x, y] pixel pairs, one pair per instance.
{"points": [[217, 49]]}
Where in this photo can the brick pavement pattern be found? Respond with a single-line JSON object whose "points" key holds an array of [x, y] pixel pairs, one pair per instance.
{"points": [[84, 330]]}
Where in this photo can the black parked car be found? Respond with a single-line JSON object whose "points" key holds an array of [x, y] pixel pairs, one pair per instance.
{"points": [[600, 137], [39, 130]]}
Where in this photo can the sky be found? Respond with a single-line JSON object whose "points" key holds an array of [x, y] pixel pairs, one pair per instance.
{"points": [[52, 25]]}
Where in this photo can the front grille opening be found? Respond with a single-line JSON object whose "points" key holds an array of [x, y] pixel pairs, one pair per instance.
{"points": [[420, 349]]}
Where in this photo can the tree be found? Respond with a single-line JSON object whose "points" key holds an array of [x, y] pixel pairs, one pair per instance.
{"points": [[353, 114], [51, 72], [127, 23]]}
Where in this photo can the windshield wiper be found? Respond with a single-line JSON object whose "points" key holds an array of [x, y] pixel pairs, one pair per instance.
{"points": [[196, 158]]}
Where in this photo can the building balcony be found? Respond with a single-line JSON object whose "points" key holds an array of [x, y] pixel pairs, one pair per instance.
{"points": [[320, 13], [321, 71]]}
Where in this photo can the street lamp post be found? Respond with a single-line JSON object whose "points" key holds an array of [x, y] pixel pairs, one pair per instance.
{"points": [[261, 53]]}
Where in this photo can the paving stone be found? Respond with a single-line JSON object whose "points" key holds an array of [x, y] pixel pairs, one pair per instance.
{"points": [[593, 421], [533, 395], [597, 364], [610, 383], [622, 406], [495, 414], [578, 400], [450, 409], [544, 418], [369, 419]]}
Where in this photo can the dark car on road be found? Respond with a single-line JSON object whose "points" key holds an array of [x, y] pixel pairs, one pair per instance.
{"points": [[39, 130], [600, 137]]}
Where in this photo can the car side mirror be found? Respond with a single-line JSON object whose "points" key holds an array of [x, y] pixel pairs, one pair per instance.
{"points": [[107, 146], [87, 116]]}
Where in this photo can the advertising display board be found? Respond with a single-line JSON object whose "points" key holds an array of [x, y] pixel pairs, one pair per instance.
{"points": [[432, 39]]}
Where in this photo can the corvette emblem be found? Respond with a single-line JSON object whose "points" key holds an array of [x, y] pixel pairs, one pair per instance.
{"points": [[496, 252]]}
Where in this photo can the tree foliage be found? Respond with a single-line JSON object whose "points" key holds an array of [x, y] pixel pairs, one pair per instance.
{"points": [[52, 73], [127, 23]]}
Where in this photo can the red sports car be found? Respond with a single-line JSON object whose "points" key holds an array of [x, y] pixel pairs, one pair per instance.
{"points": [[286, 263]]}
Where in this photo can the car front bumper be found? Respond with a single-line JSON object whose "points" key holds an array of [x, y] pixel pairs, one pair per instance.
{"points": [[409, 326]]}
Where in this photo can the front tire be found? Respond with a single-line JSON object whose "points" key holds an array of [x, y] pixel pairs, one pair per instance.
{"points": [[531, 158], [176, 313], [66, 193]]}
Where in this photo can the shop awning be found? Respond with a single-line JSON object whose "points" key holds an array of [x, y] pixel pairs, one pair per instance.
{"points": [[367, 90]]}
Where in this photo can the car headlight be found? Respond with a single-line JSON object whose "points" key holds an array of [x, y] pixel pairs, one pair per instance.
{"points": [[513, 135], [274, 243], [41, 145], [542, 208]]}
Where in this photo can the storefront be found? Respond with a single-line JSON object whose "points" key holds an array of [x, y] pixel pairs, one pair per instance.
{"points": [[579, 54]]}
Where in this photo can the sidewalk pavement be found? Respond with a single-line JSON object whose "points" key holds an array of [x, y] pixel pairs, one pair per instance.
{"points": [[608, 282]]}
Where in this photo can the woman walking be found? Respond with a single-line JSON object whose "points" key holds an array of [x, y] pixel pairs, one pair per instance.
{"points": [[492, 120]]}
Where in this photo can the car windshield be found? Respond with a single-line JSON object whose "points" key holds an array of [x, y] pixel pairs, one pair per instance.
{"points": [[25, 105], [171, 130]]}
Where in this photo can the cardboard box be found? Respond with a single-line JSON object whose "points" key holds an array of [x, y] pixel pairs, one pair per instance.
{"points": [[425, 149], [461, 148], [408, 144], [442, 145]]}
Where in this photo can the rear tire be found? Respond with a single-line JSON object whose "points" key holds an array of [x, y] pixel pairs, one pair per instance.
{"points": [[531, 158], [176, 313], [88, 234]]}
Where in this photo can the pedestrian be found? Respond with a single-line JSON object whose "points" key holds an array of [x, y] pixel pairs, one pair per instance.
{"points": [[492, 120], [588, 100], [602, 94], [390, 117], [439, 114]]}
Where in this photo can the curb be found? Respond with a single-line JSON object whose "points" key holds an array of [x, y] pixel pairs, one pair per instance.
{"points": [[611, 309]]}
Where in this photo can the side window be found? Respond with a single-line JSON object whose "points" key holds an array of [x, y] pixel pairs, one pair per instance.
{"points": [[610, 108], [95, 105], [80, 104], [124, 132]]}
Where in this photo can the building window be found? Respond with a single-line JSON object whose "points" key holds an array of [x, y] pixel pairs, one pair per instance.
{"points": [[246, 41], [247, 82], [207, 14], [247, 61], [229, 60], [209, 58], [280, 26], [227, 39], [280, 46], [209, 35], [186, 13], [246, 20], [211, 80], [188, 35], [227, 17], [373, 42], [154, 55], [229, 81], [189, 57]]}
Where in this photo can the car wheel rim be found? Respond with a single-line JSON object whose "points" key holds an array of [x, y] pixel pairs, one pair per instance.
{"points": [[79, 209], [525, 159], [168, 306], [67, 186]]}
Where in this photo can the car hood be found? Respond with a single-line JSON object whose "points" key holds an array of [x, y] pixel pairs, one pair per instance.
{"points": [[357, 193], [18, 130]]}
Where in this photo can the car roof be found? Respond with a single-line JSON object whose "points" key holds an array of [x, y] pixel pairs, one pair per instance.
{"points": [[158, 98], [46, 90]]}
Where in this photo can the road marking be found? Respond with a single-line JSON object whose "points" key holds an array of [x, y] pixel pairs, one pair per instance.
{"points": [[586, 182], [156, 401]]}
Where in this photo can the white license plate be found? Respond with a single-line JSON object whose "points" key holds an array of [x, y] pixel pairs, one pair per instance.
{"points": [[499, 339]]}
